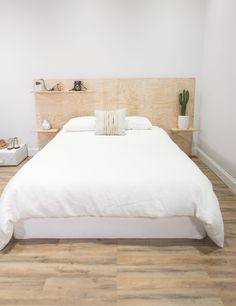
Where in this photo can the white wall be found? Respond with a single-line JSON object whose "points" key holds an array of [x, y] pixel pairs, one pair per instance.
{"points": [[93, 39], [218, 108]]}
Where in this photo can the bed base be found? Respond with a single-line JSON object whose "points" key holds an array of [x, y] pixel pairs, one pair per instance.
{"points": [[109, 228]]}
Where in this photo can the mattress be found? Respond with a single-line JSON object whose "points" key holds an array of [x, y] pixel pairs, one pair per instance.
{"points": [[82, 175]]}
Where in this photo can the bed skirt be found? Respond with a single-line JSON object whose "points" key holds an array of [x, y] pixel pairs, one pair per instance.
{"points": [[108, 228]]}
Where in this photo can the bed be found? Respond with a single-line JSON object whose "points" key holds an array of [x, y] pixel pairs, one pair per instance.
{"points": [[83, 185]]}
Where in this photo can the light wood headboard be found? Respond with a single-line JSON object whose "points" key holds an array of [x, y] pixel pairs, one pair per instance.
{"points": [[156, 99]]}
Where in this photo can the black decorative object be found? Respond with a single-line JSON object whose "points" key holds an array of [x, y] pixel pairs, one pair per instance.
{"points": [[77, 85]]}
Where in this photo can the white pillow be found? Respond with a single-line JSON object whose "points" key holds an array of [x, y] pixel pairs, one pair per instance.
{"points": [[138, 123], [110, 122], [79, 124]]}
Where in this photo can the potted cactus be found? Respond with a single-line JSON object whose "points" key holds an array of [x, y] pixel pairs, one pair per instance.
{"points": [[183, 119]]}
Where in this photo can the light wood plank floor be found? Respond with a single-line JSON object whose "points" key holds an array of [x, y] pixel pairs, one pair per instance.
{"points": [[122, 272]]}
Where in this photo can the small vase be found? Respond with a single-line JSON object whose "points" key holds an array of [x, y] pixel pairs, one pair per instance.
{"points": [[46, 125], [183, 122], [38, 86]]}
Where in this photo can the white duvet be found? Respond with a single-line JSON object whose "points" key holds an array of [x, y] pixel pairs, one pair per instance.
{"points": [[142, 174]]}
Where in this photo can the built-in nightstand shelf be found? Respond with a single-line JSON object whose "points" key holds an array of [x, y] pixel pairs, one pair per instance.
{"points": [[63, 92], [47, 131], [175, 130]]}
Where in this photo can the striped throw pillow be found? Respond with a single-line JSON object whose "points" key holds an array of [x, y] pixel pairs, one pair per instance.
{"points": [[110, 122]]}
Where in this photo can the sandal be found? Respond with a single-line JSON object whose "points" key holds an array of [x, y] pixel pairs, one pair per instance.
{"points": [[16, 143], [10, 144], [3, 144]]}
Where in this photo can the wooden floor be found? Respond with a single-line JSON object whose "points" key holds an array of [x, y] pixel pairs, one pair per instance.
{"points": [[121, 272]]}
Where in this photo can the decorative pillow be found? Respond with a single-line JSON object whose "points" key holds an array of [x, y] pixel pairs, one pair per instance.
{"points": [[110, 122], [79, 124], [138, 123]]}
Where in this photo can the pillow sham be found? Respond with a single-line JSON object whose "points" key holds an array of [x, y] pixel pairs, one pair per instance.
{"points": [[138, 123], [78, 124], [110, 122]]}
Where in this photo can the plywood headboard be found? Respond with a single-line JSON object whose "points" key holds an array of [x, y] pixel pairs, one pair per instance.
{"points": [[156, 99]]}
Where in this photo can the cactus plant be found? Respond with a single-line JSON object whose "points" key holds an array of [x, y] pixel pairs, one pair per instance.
{"points": [[183, 101]]}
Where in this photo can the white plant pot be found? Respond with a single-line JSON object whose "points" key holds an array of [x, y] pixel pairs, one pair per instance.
{"points": [[183, 122]]}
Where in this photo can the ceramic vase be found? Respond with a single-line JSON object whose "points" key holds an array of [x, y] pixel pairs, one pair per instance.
{"points": [[183, 122], [46, 125]]}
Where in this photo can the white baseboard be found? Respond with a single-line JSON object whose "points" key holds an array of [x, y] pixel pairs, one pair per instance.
{"points": [[228, 179], [32, 151], [194, 151]]}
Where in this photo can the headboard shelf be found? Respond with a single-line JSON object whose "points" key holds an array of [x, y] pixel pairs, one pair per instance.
{"points": [[64, 92], [46, 131], [154, 98], [177, 130]]}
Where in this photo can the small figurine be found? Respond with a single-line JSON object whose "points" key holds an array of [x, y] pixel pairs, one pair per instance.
{"points": [[78, 86], [58, 87]]}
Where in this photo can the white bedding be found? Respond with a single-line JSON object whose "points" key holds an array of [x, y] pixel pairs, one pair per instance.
{"points": [[142, 174]]}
